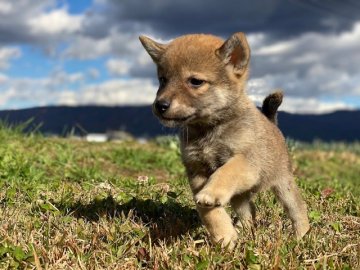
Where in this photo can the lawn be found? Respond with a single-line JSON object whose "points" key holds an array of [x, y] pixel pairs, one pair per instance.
{"points": [[68, 204]]}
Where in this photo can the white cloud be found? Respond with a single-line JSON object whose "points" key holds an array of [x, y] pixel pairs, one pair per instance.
{"points": [[94, 48], [61, 78], [312, 105], [3, 78], [93, 73], [68, 98], [275, 49], [25, 90], [5, 7], [55, 90], [112, 92], [44, 24], [313, 65], [37, 91], [115, 43], [6, 96], [118, 67], [19, 11], [55, 22], [16, 15], [6, 54]]}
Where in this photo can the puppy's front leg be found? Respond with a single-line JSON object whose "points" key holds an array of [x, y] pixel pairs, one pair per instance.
{"points": [[235, 176], [217, 222], [219, 225]]}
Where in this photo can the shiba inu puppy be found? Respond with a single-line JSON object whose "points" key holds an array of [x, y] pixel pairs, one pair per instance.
{"points": [[230, 149]]}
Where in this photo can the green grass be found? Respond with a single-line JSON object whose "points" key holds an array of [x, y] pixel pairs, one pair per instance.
{"points": [[74, 205]]}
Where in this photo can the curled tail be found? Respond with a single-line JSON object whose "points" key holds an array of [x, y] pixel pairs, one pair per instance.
{"points": [[270, 105]]}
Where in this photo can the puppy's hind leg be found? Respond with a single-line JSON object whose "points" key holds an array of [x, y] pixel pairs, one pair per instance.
{"points": [[288, 194], [244, 208]]}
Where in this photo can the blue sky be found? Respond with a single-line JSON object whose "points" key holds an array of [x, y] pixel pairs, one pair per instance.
{"points": [[87, 52]]}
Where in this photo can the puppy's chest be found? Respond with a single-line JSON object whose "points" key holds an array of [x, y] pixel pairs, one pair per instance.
{"points": [[206, 155]]}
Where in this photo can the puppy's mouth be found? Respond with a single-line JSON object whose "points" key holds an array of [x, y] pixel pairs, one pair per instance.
{"points": [[176, 121]]}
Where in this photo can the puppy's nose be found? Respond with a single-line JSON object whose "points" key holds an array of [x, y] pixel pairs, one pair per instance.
{"points": [[162, 105]]}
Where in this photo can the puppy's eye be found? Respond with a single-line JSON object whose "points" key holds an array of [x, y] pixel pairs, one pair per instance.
{"points": [[196, 82], [162, 81]]}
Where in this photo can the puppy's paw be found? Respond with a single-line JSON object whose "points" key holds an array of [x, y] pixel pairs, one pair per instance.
{"points": [[227, 241], [301, 230], [206, 198]]}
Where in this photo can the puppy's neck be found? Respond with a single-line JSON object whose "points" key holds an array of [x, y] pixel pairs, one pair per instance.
{"points": [[241, 111]]}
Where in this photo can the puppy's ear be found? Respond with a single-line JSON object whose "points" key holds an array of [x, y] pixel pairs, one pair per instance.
{"points": [[236, 52], [154, 49]]}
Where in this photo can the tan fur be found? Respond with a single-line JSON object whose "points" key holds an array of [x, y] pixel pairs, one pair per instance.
{"points": [[230, 149]]}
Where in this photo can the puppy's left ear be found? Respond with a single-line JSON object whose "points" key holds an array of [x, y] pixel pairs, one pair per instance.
{"points": [[154, 49], [236, 52]]}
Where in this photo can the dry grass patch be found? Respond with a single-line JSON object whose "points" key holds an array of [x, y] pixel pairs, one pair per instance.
{"points": [[74, 205]]}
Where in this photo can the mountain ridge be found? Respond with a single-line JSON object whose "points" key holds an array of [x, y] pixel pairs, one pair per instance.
{"points": [[139, 121]]}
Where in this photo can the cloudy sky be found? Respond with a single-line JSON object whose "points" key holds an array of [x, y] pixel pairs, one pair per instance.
{"points": [[87, 52]]}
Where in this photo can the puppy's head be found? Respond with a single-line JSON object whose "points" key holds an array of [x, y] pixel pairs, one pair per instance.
{"points": [[200, 77]]}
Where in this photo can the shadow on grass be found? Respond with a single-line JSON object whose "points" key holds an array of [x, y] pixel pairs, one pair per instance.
{"points": [[164, 220]]}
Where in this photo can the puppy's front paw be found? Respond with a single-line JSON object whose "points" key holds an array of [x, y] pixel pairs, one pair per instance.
{"points": [[206, 198]]}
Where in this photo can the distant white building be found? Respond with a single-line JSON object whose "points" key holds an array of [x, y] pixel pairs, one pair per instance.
{"points": [[119, 135], [96, 137]]}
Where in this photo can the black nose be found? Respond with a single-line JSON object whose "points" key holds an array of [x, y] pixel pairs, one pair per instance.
{"points": [[162, 105]]}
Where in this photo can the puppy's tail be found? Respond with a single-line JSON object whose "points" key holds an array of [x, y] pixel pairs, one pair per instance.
{"points": [[270, 105]]}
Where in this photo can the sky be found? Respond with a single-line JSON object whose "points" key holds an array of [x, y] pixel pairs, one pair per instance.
{"points": [[87, 52]]}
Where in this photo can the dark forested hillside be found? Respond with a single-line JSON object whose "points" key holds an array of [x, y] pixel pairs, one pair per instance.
{"points": [[139, 121]]}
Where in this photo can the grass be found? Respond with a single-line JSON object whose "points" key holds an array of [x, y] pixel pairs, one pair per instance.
{"points": [[67, 204]]}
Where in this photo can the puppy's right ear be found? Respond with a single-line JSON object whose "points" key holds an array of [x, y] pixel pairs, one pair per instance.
{"points": [[154, 49]]}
